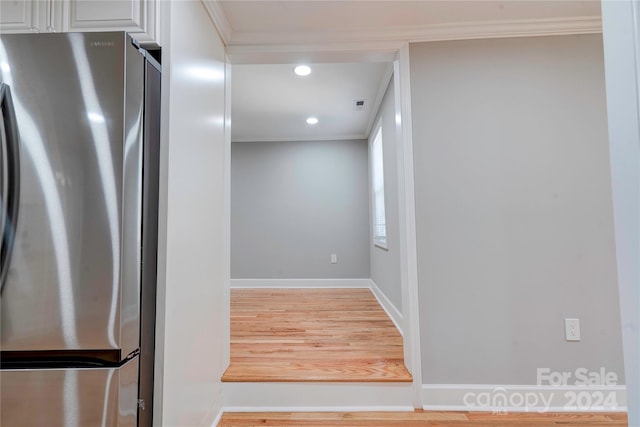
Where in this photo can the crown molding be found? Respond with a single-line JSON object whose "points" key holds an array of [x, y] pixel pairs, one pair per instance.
{"points": [[511, 28], [438, 32], [219, 19]]}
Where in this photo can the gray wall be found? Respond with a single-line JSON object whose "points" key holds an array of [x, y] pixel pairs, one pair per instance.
{"points": [[295, 203], [385, 264], [513, 206]]}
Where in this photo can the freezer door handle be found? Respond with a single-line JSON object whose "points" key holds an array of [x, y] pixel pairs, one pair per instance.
{"points": [[10, 180]]}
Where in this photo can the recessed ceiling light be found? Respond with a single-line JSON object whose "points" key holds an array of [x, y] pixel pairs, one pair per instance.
{"points": [[312, 121], [302, 70]]}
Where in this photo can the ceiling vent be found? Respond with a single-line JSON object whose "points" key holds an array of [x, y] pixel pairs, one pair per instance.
{"points": [[359, 104]]}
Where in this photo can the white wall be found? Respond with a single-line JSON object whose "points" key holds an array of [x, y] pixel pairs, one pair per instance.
{"points": [[193, 317], [295, 203], [385, 264], [513, 206], [621, 59]]}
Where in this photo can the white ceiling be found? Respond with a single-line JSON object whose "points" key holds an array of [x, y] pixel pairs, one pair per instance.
{"points": [[305, 21], [271, 103], [331, 15]]}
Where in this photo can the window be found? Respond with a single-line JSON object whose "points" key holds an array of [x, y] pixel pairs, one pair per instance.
{"points": [[377, 185]]}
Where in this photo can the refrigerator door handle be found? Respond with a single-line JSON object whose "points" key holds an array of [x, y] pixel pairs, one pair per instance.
{"points": [[3, 178], [10, 180]]}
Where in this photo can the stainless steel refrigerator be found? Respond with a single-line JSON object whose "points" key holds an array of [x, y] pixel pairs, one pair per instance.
{"points": [[78, 118]]}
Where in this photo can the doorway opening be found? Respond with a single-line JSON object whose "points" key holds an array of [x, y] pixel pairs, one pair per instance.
{"points": [[304, 214]]}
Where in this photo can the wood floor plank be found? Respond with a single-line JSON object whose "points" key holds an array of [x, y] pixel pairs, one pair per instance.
{"points": [[336, 335], [421, 418]]}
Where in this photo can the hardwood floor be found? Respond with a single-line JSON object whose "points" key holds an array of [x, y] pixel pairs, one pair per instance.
{"points": [[341, 335], [312, 335], [420, 418]]}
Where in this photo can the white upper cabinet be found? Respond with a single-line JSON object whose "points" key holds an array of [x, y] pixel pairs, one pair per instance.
{"points": [[138, 17], [22, 16]]}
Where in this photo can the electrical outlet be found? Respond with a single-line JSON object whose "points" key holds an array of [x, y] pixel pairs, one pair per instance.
{"points": [[572, 329], [334, 259]]}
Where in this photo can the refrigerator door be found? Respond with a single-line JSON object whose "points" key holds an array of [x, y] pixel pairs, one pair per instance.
{"points": [[73, 280], [70, 397]]}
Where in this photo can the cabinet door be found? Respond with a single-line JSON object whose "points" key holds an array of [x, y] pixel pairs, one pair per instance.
{"points": [[24, 16], [138, 17]]}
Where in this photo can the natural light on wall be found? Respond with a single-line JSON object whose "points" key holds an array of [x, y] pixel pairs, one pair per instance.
{"points": [[377, 178]]}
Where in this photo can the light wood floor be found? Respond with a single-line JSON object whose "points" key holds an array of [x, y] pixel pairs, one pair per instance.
{"points": [[420, 418], [312, 335]]}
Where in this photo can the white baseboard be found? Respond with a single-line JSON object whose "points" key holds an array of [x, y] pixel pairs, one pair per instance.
{"points": [[299, 283], [392, 311], [317, 397], [523, 398], [216, 420]]}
